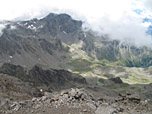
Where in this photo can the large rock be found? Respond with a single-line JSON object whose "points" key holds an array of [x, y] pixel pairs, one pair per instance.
{"points": [[117, 80], [104, 109]]}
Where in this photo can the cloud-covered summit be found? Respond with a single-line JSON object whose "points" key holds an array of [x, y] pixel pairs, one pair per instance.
{"points": [[122, 20]]}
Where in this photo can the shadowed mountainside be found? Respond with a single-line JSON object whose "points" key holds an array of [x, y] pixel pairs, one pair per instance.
{"points": [[55, 79], [48, 42]]}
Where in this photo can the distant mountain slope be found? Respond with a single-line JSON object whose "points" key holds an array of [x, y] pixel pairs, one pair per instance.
{"points": [[38, 41], [56, 40]]}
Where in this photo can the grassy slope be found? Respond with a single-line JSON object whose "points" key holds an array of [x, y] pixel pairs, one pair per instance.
{"points": [[82, 64]]}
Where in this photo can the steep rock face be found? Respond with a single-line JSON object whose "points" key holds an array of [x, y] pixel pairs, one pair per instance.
{"points": [[40, 77], [40, 41], [131, 55], [61, 23], [55, 77], [114, 50]]}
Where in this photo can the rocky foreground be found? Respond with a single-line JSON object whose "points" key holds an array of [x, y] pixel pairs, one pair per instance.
{"points": [[78, 101], [51, 91]]}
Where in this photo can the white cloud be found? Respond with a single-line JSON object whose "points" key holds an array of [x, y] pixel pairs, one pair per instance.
{"points": [[90, 9], [113, 17], [148, 4]]}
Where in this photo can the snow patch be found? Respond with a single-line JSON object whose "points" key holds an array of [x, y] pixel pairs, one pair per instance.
{"points": [[2, 26], [32, 27], [85, 35], [40, 27], [64, 32], [13, 27], [19, 24], [25, 24], [41, 90], [11, 57]]}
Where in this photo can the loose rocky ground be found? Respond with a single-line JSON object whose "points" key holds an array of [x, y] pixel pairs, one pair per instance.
{"points": [[79, 101], [50, 91]]}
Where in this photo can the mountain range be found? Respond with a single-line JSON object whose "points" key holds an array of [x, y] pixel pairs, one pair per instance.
{"points": [[55, 53], [50, 42]]}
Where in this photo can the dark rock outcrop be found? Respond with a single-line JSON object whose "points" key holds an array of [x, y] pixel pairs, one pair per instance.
{"points": [[62, 22], [39, 41], [56, 79], [117, 80]]}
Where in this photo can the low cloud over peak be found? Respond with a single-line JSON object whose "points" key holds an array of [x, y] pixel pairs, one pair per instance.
{"points": [[122, 20]]}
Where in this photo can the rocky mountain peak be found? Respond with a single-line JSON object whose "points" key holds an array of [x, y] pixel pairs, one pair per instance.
{"points": [[62, 22]]}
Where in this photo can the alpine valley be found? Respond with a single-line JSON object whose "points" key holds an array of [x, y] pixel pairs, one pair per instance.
{"points": [[53, 65]]}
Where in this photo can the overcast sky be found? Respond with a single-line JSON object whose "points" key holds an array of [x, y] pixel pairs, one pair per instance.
{"points": [[121, 19]]}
